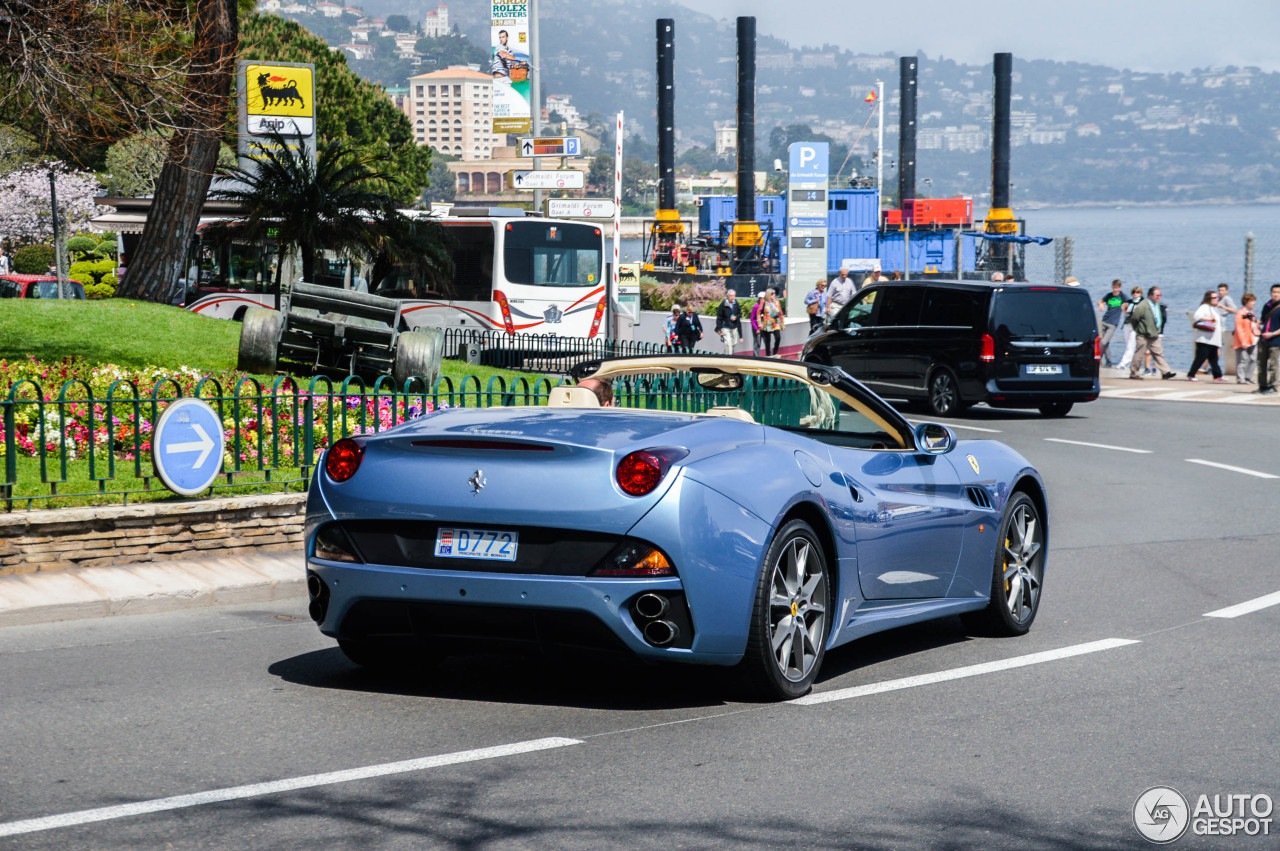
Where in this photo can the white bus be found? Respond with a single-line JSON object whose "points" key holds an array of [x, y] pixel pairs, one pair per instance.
{"points": [[512, 273]]}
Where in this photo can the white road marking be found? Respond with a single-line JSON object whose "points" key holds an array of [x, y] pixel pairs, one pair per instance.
{"points": [[973, 428], [1099, 445], [273, 787], [1246, 607], [1247, 472], [960, 673]]}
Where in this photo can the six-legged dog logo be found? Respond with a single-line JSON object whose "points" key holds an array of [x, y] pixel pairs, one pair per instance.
{"points": [[276, 95]]}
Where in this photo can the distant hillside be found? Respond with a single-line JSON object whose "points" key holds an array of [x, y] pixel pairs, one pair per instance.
{"points": [[1082, 133]]}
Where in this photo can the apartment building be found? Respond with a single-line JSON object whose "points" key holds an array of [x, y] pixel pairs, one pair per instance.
{"points": [[452, 111]]}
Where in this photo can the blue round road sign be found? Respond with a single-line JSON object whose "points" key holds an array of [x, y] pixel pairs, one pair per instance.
{"points": [[187, 446]]}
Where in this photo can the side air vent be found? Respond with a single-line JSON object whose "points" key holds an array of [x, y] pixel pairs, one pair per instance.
{"points": [[979, 497]]}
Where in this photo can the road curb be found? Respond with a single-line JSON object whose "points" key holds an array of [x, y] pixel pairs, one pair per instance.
{"points": [[148, 588]]}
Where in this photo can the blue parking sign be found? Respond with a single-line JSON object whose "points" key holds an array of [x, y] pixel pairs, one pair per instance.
{"points": [[187, 446], [809, 162]]}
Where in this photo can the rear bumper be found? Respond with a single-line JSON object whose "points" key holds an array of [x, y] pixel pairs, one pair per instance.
{"points": [[1000, 395], [716, 547]]}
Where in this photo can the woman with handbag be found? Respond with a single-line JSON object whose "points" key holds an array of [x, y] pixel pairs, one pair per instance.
{"points": [[771, 322], [1207, 335], [815, 304]]}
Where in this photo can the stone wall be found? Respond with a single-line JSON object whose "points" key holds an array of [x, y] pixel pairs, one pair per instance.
{"points": [[38, 541]]}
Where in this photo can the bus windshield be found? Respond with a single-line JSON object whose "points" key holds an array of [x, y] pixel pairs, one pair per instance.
{"points": [[552, 255]]}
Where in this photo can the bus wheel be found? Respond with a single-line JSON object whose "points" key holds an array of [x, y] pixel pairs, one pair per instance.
{"points": [[259, 337]]}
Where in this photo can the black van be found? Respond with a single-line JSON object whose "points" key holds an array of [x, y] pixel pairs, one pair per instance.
{"points": [[951, 344]]}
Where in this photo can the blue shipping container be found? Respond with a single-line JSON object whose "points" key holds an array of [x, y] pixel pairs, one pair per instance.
{"points": [[931, 252], [853, 210]]}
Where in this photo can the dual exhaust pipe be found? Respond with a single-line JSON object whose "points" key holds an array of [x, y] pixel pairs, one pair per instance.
{"points": [[657, 630]]}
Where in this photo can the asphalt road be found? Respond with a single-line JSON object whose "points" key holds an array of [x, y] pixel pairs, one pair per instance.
{"points": [[193, 708]]}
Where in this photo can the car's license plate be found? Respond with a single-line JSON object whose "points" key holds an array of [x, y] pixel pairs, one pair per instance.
{"points": [[1044, 369], [477, 543]]}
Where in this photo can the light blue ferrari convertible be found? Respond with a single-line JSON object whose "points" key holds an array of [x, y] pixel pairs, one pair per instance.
{"points": [[702, 509]]}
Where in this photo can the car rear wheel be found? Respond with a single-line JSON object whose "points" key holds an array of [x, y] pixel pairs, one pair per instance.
{"points": [[789, 623], [1056, 409], [944, 394], [1018, 574]]}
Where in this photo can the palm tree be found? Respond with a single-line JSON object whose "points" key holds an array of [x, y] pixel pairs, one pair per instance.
{"points": [[338, 203]]}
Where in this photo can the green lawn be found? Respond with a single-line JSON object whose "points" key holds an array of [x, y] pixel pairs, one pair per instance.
{"points": [[136, 334], [119, 331]]}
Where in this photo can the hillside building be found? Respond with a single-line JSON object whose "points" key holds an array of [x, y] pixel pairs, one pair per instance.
{"points": [[436, 23]]}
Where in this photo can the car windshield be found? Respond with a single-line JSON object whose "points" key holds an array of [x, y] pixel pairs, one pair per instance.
{"points": [[822, 411]]}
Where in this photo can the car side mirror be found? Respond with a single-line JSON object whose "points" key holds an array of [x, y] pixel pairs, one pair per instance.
{"points": [[934, 439]]}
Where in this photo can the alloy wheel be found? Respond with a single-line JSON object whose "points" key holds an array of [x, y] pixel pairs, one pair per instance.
{"points": [[1022, 563], [797, 609]]}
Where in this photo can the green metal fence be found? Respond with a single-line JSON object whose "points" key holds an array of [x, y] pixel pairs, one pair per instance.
{"points": [[71, 448]]}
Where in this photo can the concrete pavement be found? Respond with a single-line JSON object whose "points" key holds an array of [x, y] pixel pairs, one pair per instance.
{"points": [[93, 592]]}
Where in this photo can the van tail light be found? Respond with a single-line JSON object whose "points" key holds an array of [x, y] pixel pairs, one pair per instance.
{"points": [[1097, 348], [640, 472], [343, 459], [988, 349]]}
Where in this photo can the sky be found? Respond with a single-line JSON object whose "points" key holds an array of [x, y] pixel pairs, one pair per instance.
{"points": [[1141, 35]]}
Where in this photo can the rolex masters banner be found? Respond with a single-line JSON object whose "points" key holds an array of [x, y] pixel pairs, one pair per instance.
{"points": [[509, 64]]}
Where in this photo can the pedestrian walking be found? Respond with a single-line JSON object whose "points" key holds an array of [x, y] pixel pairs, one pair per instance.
{"points": [[1268, 347], [1207, 328], [1112, 307], [771, 322], [872, 277], [689, 328], [840, 291], [5, 266], [670, 326], [1148, 324], [1245, 340], [815, 304], [729, 321], [1130, 337], [757, 336]]}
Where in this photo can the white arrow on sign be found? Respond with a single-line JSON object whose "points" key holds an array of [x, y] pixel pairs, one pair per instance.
{"points": [[203, 445]]}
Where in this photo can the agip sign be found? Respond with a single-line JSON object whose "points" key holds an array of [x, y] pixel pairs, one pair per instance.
{"points": [[279, 98]]}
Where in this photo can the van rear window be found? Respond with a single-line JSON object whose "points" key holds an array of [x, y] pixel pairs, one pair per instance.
{"points": [[1043, 315]]}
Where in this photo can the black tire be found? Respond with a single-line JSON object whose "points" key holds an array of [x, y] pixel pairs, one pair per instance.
{"points": [[418, 355], [1010, 611], [803, 611], [943, 399], [259, 341], [1056, 409]]}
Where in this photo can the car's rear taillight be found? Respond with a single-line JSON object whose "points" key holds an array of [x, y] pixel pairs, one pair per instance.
{"points": [[988, 349], [1097, 348], [343, 459], [640, 472]]}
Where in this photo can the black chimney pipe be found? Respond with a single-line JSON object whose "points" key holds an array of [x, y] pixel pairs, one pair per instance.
{"points": [[906, 130], [746, 119], [1003, 70], [666, 31]]}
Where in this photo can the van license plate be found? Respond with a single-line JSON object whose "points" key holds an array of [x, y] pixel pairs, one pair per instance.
{"points": [[1044, 369], [477, 543]]}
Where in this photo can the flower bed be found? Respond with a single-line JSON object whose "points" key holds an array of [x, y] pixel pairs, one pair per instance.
{"points": [[72, 409]]}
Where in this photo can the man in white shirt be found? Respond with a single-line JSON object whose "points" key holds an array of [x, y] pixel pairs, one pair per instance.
{"points": [[840, 291]]}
